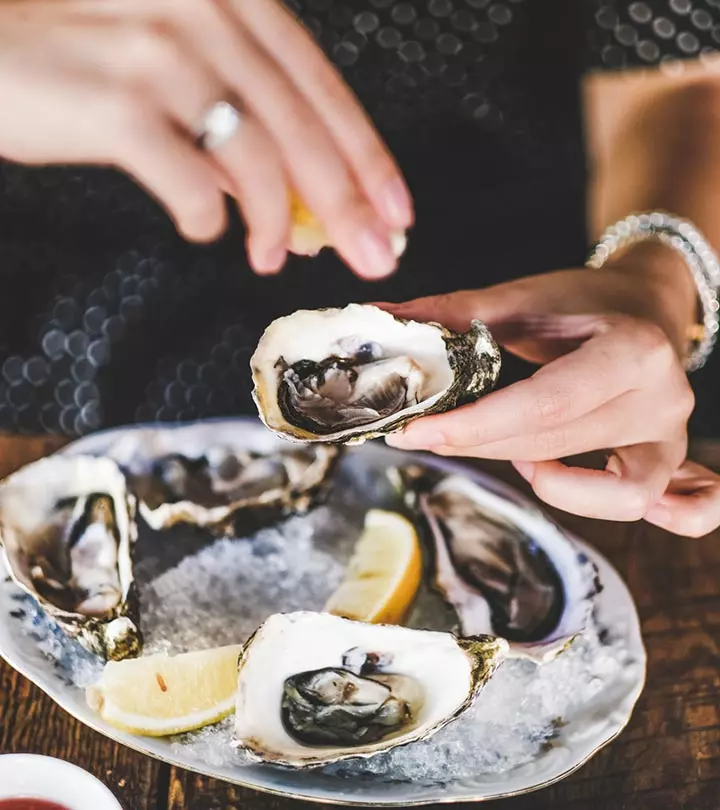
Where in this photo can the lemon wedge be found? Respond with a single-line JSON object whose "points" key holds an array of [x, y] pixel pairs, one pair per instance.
{"points": [[308, 237], [384, 572], [159, 695]]}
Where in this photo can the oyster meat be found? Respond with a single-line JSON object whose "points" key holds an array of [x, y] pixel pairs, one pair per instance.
{"points": [[347, 375], [505, 569], [67, 526], [211, 489], [315, 688]]}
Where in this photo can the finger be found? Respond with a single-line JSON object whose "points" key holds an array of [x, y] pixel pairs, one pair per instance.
{"points": [[318, 172], [689, 477], [502, 310], [261, 188], [250, 167], [631, 418], [631, 484], [519, 300], [294, 49], [512, 307], [607, 365], [691, 504], [147, 146], [458, 310], [614, 424]]}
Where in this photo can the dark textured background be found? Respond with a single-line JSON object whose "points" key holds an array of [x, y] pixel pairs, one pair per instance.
{"points": [[107, 317]]}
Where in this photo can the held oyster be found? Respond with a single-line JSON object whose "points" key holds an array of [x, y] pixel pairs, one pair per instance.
{"points": [[505, 569], [315, 689], [211, 489], [66, 528], [347, 375]]}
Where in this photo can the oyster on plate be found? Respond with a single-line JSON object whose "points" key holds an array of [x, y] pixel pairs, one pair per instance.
{"points": [[315, 689], [210, 490], [351, 374], [506, 569], [67, 526]]}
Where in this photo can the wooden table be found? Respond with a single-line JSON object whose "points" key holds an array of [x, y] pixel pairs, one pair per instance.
{"points": [[668, 758]]}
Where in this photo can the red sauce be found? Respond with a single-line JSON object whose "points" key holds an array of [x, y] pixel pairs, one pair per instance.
{"points": [[30, 804]]}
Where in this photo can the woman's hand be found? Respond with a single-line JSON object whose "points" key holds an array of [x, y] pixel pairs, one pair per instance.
{"points": [[126, 83], [611, 380]]}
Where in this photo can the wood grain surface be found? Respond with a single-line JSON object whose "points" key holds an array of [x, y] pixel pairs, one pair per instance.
{"points": [[667, 759]]}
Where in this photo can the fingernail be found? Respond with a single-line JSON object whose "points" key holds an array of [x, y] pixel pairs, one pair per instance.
{"points": [[276, 257], [269, 261], [416, 439], [615, 466], [396, 204], [525, 468], [377, 255]]}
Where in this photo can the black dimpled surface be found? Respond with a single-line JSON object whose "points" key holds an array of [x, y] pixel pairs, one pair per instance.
{"points": [[108, 317]]}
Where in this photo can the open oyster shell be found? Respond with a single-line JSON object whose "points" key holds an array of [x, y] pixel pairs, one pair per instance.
{"points": [[506, 569], [67, 526], [352, 374], [211, 490], [220, 477], [315, 689]]}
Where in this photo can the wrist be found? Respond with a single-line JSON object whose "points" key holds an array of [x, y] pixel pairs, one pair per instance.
{"points": [[662, 287]]}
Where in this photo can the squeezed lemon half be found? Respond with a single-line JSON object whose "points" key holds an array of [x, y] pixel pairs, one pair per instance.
{"points": [[308, 237], [384, 572]]}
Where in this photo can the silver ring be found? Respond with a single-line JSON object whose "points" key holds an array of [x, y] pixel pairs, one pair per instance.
{"points": [[218, 125]]}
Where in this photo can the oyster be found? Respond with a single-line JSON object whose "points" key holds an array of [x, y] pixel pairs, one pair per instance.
{"points": [[211, 489], [347, 375], [67, 526], [315, 689], [506, 569]]}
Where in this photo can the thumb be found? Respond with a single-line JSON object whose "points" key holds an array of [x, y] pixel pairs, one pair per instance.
{"points": [[513, 315], [492, 305]]}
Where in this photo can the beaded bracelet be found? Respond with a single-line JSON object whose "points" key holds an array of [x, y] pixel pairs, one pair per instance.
{"points": [[684, 238]]}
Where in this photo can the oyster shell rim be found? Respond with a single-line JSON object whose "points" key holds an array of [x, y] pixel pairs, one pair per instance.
{"points": [[555, 643], [484, 653], [94, 633], [216, 518], [463, 351]]}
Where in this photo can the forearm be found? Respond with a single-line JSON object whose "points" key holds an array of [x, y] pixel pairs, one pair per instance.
{"points": [[655, 144]]}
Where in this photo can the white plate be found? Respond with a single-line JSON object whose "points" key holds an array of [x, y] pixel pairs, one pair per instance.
{"points": [[586, 729]]}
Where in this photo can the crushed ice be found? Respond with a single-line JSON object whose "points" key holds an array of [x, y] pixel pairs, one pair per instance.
{"points": [[222, 594], [516, 717]]}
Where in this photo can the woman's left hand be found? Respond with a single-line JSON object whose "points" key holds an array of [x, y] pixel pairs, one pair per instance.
{"points": [[612, 380]]}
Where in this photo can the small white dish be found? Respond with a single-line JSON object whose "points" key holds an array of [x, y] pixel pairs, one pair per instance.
{"points": [[29, 776]]}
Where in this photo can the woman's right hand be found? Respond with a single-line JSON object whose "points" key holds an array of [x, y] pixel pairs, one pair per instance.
{"points": [[126, 82]]}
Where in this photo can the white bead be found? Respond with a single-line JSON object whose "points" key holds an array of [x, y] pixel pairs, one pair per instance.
{"points": [[686, 240]]}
